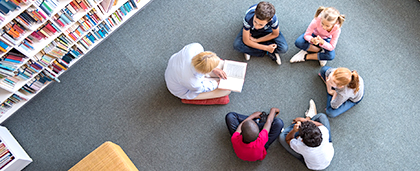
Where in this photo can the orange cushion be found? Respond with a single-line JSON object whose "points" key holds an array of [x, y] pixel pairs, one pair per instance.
{"points": [[220, 100], [107, 157]]}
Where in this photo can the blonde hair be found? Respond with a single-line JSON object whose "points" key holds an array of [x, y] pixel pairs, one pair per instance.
{"points": [[330, 14], [205, 62], [345, 77]]}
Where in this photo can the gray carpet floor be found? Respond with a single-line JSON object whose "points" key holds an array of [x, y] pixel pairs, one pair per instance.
{"points": [[117, 92]]}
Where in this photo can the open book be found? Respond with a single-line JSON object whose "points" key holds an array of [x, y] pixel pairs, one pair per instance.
{"points": [[235, 72]]}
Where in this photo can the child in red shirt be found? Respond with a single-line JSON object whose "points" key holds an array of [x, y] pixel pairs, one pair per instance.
{"points": [[248, 142]]}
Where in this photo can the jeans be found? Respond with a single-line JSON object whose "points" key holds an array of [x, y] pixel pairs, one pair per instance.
{"points": [[320, 117], [234, 119], [332, 113], [240, 46], [324, 54]]}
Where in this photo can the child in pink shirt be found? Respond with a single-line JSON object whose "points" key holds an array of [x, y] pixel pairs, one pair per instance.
{"points": [[321, 36]]}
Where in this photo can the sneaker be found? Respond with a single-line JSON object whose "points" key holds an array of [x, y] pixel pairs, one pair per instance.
{"points": [[311, 112], [278, 60], [275, 57], [322, 62], [247, 56], [299, 57]]}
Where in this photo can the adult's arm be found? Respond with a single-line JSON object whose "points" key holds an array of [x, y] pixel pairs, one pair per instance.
{"points": [[220, 73], [202, 85], [273, 113], [250, 117]]}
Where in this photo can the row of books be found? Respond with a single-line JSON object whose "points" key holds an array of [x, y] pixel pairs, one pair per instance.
{"points": [[9, 63], [12, 31], [56, 49], [58, 66], [99, 32], [105, 27], [9, 82], [29, 70], [47, 6], [5, 155], [83, 25], [64, 17], [47, 30], [70, 56], [118, 16], [63, 57], [31, 16], [9, 5], [36, 83]]}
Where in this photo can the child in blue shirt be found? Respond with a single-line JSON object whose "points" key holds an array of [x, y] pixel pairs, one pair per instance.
{"points": [[260, 34]]}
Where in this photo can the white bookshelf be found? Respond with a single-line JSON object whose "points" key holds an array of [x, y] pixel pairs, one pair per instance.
{"points": [[21, 159], [83, 43]]}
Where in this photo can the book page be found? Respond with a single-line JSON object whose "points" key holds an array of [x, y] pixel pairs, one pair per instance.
{"points": [[235, 69], [235, 72]]}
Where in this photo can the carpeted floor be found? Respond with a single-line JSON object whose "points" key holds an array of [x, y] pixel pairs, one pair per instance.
{"points": [[117, 92]]}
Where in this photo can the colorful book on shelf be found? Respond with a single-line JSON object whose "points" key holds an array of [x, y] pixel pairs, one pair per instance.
{"points": [[107, 5], [7, 66], [134, 4], [50, 75], [82, 4], [9, 5], [3, 46]]}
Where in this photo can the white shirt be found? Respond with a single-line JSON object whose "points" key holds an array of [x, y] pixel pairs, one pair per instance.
{"points": [[316, 158], [182, 79]]}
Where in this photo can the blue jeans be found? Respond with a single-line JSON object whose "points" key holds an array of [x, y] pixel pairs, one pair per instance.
{"points": [[240, 46], [324, 54], [320, 117], [332, 113], [234, 119]]}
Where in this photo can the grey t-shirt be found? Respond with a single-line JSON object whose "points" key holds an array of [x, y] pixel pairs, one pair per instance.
{"points": [[346, 93]]}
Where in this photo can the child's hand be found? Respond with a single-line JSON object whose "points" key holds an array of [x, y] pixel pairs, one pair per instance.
{"points": [[314, 41], [299, 119], [271, 48], [255, 115], [296, 127], [320, 40]]}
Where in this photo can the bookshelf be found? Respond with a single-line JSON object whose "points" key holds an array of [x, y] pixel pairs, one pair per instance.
{"points": [[41, 39], [12, 155]]}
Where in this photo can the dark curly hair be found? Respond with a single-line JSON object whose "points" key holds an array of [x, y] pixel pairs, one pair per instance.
{"points": [[265, 11], [310, 134]]}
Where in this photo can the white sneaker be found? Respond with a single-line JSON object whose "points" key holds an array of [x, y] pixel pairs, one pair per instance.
{"points": [[299, 57], [322, 62], [278, 60], [311, 112], [247, 57]]}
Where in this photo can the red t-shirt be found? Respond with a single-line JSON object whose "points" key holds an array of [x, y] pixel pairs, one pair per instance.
{"points": [[254, 150]]}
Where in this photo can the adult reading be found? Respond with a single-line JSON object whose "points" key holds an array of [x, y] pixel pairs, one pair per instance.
{"points": [[194, 74]]}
